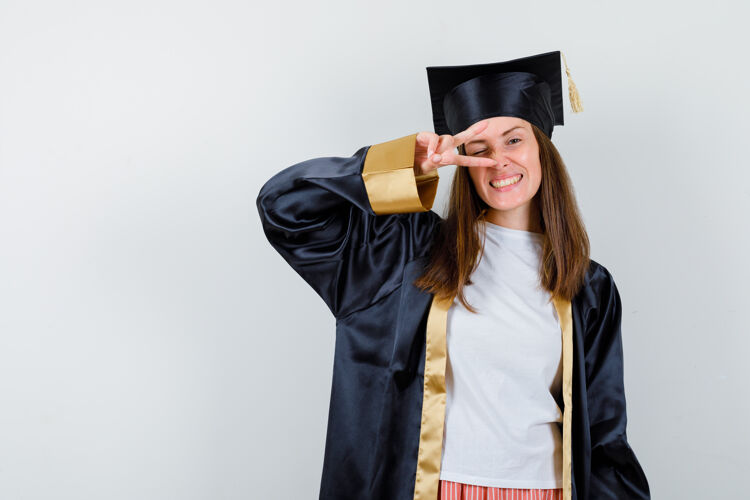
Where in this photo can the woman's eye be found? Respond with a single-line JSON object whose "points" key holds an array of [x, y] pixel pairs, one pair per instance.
{"points": [[514, 139], [478, 152]]}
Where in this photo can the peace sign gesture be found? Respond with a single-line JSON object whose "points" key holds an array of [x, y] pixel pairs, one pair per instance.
{"points": [[433, 151]]}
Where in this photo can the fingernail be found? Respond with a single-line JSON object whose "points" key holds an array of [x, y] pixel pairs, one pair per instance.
{"points": [[436, 158], [429, 153]]}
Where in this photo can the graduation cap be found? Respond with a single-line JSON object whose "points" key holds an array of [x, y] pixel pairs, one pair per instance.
{"points": [[528, 88]]}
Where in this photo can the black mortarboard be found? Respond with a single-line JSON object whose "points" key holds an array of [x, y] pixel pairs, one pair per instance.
{"points": [[528, 88]]}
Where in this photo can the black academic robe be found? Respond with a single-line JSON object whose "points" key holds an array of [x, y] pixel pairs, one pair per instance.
{"points": [[358, 230]]}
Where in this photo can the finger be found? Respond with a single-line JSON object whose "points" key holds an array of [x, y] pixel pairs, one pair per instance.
{"points": [[474, 161], [424, 138], [432, 146], [424, 141], [444, 145], [466, 161], [470, 132]]}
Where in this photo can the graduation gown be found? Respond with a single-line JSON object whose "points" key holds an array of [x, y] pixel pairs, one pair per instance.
{"points": [[358, 231]]}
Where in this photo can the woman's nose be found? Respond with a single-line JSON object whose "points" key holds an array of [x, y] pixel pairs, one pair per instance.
{"points": [[500, 157]]}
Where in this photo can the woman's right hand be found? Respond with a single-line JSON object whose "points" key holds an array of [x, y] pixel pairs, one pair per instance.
{"points": [[433, 151]]}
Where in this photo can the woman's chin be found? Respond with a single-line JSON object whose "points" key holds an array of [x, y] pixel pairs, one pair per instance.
{"points": [[504, 205]]}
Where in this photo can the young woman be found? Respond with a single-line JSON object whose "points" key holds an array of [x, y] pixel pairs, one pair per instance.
{"points": [[480, 355]]}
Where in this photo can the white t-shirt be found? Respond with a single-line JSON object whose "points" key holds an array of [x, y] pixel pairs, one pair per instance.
{"points": [[504, 372]]}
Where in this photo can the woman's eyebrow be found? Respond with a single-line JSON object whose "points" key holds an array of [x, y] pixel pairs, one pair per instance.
{"points": [[504, 134]]}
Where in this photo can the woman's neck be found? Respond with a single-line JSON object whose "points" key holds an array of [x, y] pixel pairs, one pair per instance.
{"points": [[524, 218]]}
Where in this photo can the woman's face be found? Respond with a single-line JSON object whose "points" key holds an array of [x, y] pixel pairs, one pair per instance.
{"points": [[511, 142]]}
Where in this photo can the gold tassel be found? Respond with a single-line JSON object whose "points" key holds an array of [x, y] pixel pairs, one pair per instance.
{"points": [[575, 98]]}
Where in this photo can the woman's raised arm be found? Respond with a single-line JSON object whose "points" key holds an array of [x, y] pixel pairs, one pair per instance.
{"points": [[348, 225]]}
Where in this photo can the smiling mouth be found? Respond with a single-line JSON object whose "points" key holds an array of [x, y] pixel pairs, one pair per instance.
{"points": [[507, 182]]}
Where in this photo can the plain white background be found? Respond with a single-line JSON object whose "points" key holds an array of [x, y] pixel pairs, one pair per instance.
{"points": [[152, 343]]}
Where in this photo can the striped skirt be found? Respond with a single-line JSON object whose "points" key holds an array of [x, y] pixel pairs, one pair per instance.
{"points": [[451, 490]]}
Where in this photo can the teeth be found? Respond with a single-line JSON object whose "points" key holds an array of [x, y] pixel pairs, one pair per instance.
{"points": [[506, 182]]}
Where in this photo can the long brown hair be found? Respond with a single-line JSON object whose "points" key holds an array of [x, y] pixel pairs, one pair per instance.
{"points": [[457, 247]]}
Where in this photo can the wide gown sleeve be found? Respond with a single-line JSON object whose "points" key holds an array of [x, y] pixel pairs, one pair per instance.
{"points": [[615, 470], [348, 226]]}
